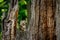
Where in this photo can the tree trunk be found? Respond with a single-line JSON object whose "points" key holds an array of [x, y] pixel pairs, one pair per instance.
{"points": [[10, 21], [42, 24], [58, 19]]}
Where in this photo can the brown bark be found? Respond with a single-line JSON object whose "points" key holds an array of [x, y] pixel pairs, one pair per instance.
{"points": [[51, 8], [47, 21], [10, 22], [42, 21]]}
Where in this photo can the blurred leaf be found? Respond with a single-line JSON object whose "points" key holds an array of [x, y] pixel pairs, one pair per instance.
{"points": [[25, 2], [26, 12], [1, 0], [2, 4], [2, 10], [22, 2]]}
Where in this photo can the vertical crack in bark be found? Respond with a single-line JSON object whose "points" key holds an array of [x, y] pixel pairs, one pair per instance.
{"points": [[39, 21]]}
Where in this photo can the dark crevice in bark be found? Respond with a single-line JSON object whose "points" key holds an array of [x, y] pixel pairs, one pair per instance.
{"points": [[39, 19]]}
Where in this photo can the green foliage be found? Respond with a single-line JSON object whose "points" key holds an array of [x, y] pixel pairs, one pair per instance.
{"points": [[2, 4], [1, 0], [0, 35], [22, 10], [22, 2]]}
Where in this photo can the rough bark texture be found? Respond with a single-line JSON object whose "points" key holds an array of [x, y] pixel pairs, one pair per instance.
{"points": [[58, 19], [10, 21], [51, 8], [33, 23], [42, 22]]}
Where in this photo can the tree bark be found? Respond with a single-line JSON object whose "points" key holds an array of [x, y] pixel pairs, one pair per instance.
{"points": [[42, 24], [10, 21], [58, 19]]}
